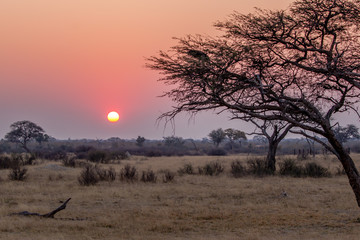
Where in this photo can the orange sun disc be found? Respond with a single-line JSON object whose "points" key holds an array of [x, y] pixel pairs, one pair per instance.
{"points": [[113, 116]]}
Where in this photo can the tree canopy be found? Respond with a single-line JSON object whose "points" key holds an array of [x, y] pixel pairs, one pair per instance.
{"points": [[22, 132], [299, 66]]}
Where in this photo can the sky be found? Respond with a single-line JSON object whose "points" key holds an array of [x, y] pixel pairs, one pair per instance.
{"points": [[65, 64]]}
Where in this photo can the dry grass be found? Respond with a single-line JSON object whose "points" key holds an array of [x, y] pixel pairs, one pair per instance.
{"points": [[192, 207]]}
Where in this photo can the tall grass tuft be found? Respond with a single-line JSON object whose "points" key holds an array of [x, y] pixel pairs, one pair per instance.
{"points": [[211, 169], [237, 169], [88, 176], [128, 173]]}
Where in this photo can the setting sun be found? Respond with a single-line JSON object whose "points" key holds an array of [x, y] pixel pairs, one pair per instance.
{"points": [[113, 116]]}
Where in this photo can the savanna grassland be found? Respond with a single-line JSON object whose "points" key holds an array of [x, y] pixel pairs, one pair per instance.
{"points": [[190, 207]]}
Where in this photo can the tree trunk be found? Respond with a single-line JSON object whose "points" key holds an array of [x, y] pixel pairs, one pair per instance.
{"points": [[349, 167], [271, 156]]}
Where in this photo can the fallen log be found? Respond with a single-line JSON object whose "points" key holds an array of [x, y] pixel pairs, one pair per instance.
{"points": [[47, 215]]}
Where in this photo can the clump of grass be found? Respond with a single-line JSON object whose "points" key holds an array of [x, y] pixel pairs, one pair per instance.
{"points": [[88, 176], [168, 176], [148, 176], [105, 174], [211, 169], [18, 173], [289, 168], [128, 173], [237, 169], [186, 169], [258, 167], [340, 171]]}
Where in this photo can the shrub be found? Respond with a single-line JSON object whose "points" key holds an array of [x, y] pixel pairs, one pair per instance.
{"points": [[217, 152], [128, 173], [98, 156], [168, 176], [211, 169], [153, 153], [105, 174], [148, 176], [88, 176], [186, 169], [237, 169], [258, 167], [111, 174], [17, 171], [5, 162], [289, 168], [315, 170], [69, 161]]}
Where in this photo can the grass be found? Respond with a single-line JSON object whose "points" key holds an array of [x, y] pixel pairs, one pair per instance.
{"points": [[190, 207]]}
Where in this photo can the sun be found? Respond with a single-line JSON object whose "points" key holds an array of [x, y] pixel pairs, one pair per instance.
{"points": [[113, 116]]}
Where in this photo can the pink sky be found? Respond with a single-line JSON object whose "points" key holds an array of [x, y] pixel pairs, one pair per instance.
{"points": [[65, 64]]}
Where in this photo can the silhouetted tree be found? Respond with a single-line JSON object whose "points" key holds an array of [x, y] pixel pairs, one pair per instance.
{"points": [[234, 135], [217, 136], [274, 132], [173, 141], [22, 132], [299, 66], [140, 141]]}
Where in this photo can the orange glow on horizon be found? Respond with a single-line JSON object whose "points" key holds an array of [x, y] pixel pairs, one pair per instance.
{"points": [[113, 116]]}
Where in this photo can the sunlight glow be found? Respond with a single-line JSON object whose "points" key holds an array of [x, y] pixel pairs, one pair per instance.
{"points": [[113, 116]]}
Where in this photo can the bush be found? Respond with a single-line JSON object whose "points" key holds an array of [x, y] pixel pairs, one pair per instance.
{"points": [[5, 162], [237, 169], [148, 176], [98, 156], [258, 167], [128, 173], [217, 152], [168, 176], [314, 170], [290, 168], [211, 169], [17, 171], [105, 174], [88, 176], [69, 161], [186, 169]]}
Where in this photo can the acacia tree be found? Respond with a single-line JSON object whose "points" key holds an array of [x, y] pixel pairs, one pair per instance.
{"points": [[274, 132], [299, 66], [22, 132]]}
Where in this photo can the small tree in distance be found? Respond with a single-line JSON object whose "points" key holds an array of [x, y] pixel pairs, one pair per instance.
{"points": [[234, 135], [140, 141], [217, 136], [23, 132]]}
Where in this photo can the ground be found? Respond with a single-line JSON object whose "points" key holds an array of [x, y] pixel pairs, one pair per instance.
{"points": [[191, 207]]}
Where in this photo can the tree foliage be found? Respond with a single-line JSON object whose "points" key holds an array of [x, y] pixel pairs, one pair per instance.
{"points": [[140, 141], [22, 132], [298, 66], [217, 136], [344, 134]]}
